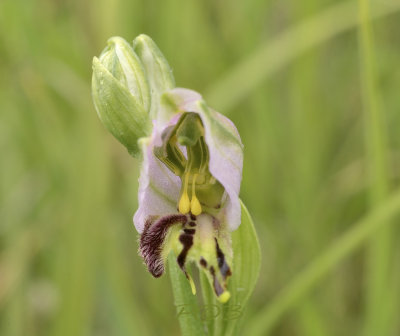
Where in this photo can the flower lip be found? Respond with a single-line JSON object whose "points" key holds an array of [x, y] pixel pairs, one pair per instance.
{"points": [[193, 239], [152, 241]]}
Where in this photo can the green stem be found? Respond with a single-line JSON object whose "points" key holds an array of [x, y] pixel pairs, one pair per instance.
{"points": [[265, 320], [209, 302], [186, 303]]}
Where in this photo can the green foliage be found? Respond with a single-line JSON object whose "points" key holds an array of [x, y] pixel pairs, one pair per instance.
{"points": [[246, 268]]}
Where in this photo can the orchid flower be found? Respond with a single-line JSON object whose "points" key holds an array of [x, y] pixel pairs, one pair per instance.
{"points": [[192, 159]]}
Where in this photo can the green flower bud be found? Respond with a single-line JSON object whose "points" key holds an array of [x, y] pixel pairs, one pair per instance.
{"points": [[121, 93], [158, 72]]}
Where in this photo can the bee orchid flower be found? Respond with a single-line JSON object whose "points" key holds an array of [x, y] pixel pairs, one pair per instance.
{"points": [[189, 189], [192, 161]]}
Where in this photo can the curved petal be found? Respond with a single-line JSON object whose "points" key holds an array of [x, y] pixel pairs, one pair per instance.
{"points": [[224, 144], [158, 187]]}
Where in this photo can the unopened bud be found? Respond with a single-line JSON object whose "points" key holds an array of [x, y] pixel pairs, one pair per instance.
{"points": [[158, 72], [121, 93]]}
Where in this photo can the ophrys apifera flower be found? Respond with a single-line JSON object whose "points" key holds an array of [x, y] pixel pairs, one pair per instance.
{"points": [[192, 161]]}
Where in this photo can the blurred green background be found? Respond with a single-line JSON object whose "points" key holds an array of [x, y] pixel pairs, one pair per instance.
{"points": [[316, 100]]}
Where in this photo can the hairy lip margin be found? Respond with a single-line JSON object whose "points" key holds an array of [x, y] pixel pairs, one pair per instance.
{"points": [[152, 239]]}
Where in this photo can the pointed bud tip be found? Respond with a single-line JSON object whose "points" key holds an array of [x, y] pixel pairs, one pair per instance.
{"points": [[143, 38], [112, 41]]}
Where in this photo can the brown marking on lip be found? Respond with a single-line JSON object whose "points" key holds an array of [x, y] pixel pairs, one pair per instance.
{"points": [[187, 242], [192, 224], [203, 262], [217, 286], [152, 239], [189, 231], [192, 217], [222, 264]]}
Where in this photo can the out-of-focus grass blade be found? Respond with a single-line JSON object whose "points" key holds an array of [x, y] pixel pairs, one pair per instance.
{"points": [[264, 321], [379, 296], [129, 319], [14, 261], [276, 53]]}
